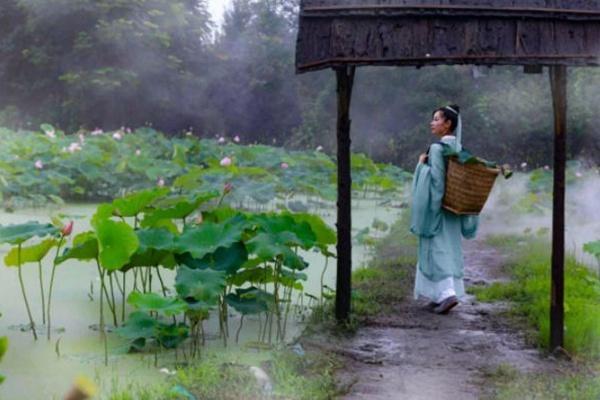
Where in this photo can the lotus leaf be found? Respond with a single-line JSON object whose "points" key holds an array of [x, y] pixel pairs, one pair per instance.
{"points": [[207, 237], [325, 235], [171, 336], [258, 275], [592, 248], [85, 247], [269, 247], [181, 209], [153, 302], [117, 243], [17, 234], [250, 300], [288, 230], [139, 325], [137, 202], [229, 259], [30, 254], [204, 286]]}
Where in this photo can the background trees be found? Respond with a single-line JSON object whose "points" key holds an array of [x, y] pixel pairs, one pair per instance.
{"points": [[111, 63]]}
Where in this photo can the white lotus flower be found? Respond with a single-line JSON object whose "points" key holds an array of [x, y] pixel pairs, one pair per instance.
{"points": [[225, 162], [39, 164], [96, 132], [117, 135]]}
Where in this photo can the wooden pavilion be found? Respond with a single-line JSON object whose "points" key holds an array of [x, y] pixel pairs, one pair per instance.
{"points": [[345, 34]]}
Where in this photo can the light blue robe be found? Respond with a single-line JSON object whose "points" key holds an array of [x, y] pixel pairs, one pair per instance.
{"points": [[440, 267]]}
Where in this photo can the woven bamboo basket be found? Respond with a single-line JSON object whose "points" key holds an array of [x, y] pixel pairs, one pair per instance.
{"points": [[467, 187]]}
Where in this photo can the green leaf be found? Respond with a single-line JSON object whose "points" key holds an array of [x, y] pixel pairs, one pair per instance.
{"points": [[117, 242], [250, 300], [269, 247], [153, 302], [288, 230], [203, 286], [17, 234], [228, 259], [207, 237], [171, 336], [138, 325], [177, 208], [30, 254], [325, 235], [85, 247], [137, 202], [592, 248]]}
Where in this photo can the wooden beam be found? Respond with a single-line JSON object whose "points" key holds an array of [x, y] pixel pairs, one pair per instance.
{"points": [[345, 80], [558, 84]]}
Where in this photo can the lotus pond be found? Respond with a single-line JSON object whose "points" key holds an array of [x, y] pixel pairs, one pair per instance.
{"points": [[45, 368]]}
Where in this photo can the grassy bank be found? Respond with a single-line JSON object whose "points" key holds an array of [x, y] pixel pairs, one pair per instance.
{"points": [[529, 294], [278, 374]]}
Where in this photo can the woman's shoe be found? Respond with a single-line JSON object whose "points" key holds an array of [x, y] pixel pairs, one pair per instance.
{"points": [[446, 305], [431, 306]]}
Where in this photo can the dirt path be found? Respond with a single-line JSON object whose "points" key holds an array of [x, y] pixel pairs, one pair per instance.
{"points": [[414, 354]]}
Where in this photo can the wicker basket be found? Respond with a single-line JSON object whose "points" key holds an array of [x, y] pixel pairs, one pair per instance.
{"points": [[467, 187]]}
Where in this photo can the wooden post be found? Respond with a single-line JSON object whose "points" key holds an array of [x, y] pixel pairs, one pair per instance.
{"points": [[558, 84], [345, 80]]}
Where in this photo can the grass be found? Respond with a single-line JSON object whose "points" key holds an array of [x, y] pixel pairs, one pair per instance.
{"points": [[573, 384], [529, 294], [529, 291], [225, 377]]}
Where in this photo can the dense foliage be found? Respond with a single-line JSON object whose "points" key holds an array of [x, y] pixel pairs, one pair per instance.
{"points": [[109, 63], [37, 167]]}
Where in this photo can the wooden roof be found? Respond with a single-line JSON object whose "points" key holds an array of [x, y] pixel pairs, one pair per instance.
{"points": [[431, 32]]}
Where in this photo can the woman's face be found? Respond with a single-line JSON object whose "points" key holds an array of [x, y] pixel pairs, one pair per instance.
{"points": [[440, 126]]}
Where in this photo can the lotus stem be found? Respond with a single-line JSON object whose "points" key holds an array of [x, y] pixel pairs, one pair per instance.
{"points": [[237, 335], [102, 328], [123, 299], [162, 283], [52, 284], [42, 292], [323, 278], [112, 295], [24, 294]]}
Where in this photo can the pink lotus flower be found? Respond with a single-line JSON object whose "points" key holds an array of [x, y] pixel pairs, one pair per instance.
{"points": [[546, 167], [67, 229], [221, 140], [73, 147], [96, 132], [160, 182], [236, 139], [51, 133], [127, 130], [117, 135], [228, 187], [81, 138], [578, 174], [523, 165], [138, 152], [39, 164], [319, 148], [225, 162], [284, 165]]}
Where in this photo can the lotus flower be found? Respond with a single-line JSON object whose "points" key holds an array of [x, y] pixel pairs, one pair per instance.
{"points": [[67, 229], [225, 162], [523, 165], [284, 165], [160, 182], [96, 132], [127, 130], [73, 147], [578, 174], [51, 133], [319, 148], [189, 133], [117, 135], [228, 187], [221, 140], [236, 139], [138, 152], [81, 138], [39, 164], [546, 167]]}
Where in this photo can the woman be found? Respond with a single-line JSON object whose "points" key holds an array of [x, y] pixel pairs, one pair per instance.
{"points": [[440, 268]]}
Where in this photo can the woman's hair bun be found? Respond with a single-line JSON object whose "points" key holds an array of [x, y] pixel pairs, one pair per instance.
{"points": [[455, 107]]}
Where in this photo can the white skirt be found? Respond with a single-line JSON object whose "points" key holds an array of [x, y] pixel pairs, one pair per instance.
{"points": [[438, 291]]}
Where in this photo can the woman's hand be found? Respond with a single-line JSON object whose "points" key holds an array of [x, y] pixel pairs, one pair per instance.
{"points": [[423, 158]]}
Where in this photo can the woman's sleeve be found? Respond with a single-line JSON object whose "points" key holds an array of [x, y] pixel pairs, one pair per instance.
{"points": [[438, 177], [469, 225]]}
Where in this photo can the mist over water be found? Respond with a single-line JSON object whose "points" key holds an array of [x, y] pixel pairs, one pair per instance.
{"points": [[502, 213]]}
